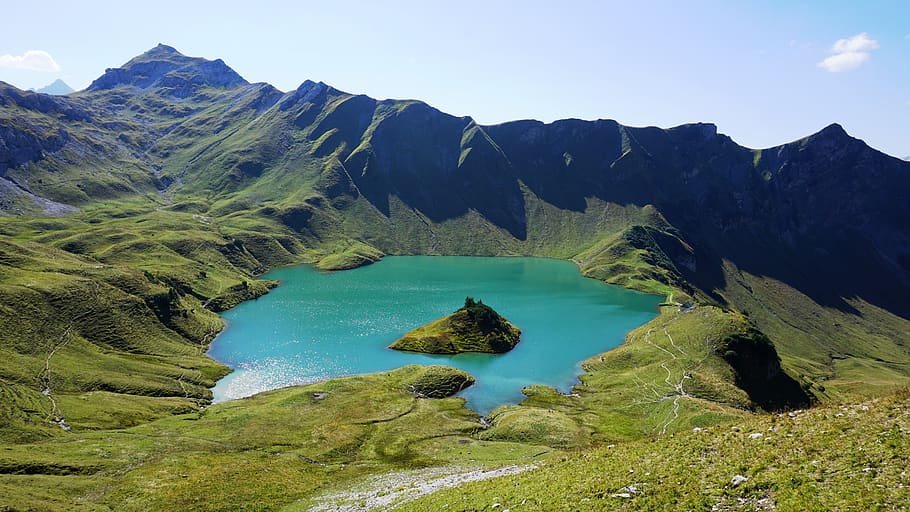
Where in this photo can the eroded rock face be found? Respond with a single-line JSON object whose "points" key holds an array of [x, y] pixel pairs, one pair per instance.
{"points": [[19, 146]]}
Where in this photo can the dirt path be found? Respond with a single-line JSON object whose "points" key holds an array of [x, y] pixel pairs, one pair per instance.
{"points": [[649, 342], [386, 491], [676, 390], [681, 351], [45, 377], [55, 416]]}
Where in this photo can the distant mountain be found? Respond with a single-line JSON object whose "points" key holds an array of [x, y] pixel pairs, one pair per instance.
{"points": [[57, 87]]}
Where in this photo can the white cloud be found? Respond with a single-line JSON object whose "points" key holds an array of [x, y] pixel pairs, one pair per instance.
{"points": [[849, 53], [33, 60], [843, 61], [857, 43]]}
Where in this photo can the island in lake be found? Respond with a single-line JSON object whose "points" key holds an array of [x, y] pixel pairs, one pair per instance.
{"points": [[476, 327]]}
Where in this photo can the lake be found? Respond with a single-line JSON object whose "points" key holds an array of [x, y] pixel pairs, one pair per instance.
{"points": [[317, 326]]}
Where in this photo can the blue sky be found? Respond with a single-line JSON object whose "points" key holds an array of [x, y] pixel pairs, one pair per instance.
{"points": [[765, 72]]}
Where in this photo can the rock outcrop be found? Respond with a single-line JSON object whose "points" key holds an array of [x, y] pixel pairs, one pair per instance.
{"points": [[475, 327]]}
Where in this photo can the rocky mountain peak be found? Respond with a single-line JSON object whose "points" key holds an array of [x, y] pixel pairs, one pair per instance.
{"points": [[830, 139], [163, 49], [832, 131], [166, 68], [57, 87]]}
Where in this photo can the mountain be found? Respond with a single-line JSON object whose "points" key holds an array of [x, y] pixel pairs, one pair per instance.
{"points": [[136, 209], [165, 68], [351, 177], [57, 87]]}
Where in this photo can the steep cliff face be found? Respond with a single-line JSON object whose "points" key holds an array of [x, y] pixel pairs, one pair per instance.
{"points": [[24, 140], [758, 371]]}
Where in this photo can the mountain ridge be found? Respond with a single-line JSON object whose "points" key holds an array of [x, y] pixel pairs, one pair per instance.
{"points": [[136, 210], [351, 178], [355, 147], [163, 53]]}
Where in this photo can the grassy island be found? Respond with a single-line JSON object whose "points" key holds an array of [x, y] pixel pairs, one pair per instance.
{"points": [[476, 327]]}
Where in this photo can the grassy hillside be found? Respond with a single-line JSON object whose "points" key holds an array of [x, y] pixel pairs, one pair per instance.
{"points": [[832, 457], [108, 320], [355, 441], [137, 210], [673, 373], [264, 452]]}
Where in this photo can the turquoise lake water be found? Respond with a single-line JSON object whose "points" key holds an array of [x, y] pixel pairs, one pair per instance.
{"points": [[317, 326]]}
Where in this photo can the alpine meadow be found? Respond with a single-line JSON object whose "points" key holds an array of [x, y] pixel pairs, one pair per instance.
{"points": [[773, 375]]}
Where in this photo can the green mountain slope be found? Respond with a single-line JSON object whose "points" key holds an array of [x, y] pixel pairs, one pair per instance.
{"points": [[349, 178], [135, 210], [837, 457]]}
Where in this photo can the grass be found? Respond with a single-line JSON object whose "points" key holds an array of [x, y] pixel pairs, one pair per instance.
{"points": [[818, 344], [668, 376], [833, 457], [293, 443], [118, 302], [356, 255], [476, 327], [161, 272], [165, 270], [107, 312]]}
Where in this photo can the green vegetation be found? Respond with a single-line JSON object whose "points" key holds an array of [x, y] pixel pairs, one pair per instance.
{"points": [[834, 457], [357, 255], [109, 313], [440, 382], [669, 375], [286, 446], [475, 327], [134, 211]]}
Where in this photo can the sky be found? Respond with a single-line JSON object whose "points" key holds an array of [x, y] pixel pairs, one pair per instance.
{"points": [[765, 73]]}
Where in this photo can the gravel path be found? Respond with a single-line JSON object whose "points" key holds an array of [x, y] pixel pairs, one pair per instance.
{"points": [[391, 489]]}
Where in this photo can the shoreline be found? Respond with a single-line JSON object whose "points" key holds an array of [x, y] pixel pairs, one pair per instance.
{"points": [[568, 390]]}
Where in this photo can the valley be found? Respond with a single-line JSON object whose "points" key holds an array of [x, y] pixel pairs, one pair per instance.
{"points": [[137, 210]]}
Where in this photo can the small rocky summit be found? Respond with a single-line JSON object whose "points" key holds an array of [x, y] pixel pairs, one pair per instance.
{"points": [[475, 327], [57, 88]]}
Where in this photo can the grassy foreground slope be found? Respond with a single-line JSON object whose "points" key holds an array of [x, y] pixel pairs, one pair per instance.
{"points": [[831, 457], [264, 452]]}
